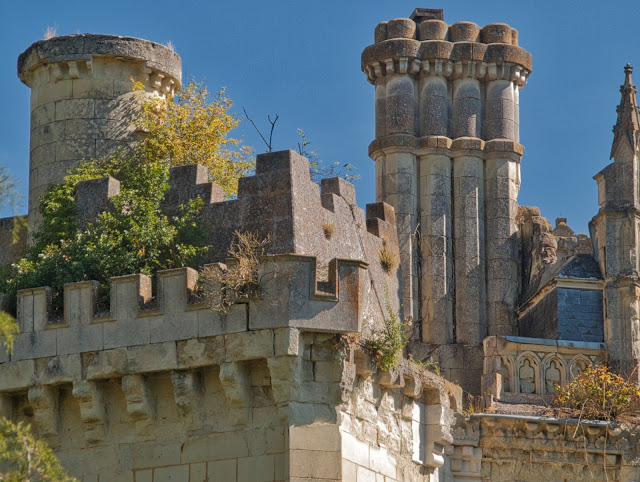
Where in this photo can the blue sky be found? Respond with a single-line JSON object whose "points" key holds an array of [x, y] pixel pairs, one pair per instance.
{"points": [[301, 59]]}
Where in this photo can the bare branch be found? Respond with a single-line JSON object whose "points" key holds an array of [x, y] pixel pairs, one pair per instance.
{"points": [[273, 125]]}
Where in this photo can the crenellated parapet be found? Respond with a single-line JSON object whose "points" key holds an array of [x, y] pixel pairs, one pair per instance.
{"points": [[289, 297], [282, 205]]}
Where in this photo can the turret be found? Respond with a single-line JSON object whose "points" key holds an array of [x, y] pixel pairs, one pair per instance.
{"points": [[615, 236], [448, 160], [82, 104]]}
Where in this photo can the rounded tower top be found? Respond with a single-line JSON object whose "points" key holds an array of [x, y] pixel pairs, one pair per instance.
{"points": [[426, 40], [157, 58], [82, 100]]}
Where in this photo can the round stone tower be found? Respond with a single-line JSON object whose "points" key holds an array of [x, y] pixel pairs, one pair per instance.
{"points": [[448, 160], [82, 104]]}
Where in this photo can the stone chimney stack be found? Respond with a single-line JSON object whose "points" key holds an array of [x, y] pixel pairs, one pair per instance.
{"points": [[82, 103], [448, 160]]}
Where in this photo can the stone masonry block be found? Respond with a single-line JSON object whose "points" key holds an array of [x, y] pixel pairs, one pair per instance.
{"points": [[74, 150], [355, 450], [189, 182], [188, 392], [43, 114], [35, 344], [339, 187], [92, 88], [79, 339], [152, 358], [80, 302], [198, 472], [92, 411], [34, 309], [173, 327], [156, 453], [174, 473], [288, 341], [315, 464], [58, 370], [213, 447], [222, 470], [198, 352], [381, 461], [174, 288], [17, 375], [324, 437], [106, 364], [236, 382], [250, 345], [93, 198], [258, 468], [139, 403], [211, 322], [286, 378], [44, 401], [75, 109]]}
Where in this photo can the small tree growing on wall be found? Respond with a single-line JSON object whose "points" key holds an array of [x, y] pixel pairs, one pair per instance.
{"points": [[135, 235]]}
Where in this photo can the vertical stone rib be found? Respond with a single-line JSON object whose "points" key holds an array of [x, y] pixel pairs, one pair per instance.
{"points": [[502, 186], [499, 122], [437, 238], [434, 106], [470, 289], [400, 185], [466, 118], [381, 106], [401, 105]]}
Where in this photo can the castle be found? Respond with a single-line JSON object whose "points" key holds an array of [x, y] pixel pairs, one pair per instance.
{"points": [[162, 388]]}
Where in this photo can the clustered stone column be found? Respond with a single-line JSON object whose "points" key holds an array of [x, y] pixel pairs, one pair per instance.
{"points": [[82, 104], [447, 159]]}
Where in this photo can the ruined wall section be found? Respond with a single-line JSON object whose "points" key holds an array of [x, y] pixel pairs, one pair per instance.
{"points": [[507, 447], [395, 424]]}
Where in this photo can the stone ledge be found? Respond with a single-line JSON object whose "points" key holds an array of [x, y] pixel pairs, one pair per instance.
{"points": [[73, 47]]}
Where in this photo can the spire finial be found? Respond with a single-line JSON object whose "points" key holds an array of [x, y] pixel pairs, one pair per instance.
{"points": [[628, 69], [628, 123]]}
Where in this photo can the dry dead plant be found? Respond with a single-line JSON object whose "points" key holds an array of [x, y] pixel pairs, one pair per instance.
{"points": [[50, 32], [225, 285], [329, 230], [387, 258]]}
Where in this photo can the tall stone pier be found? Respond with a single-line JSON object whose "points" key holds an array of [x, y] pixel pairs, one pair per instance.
{"points": [[448, 160], [615, 231], [82, 104]]}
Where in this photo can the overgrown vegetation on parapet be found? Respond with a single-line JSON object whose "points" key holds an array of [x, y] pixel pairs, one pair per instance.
{"points": [[599, 394], [135, 235], [224, 285], [387, 344]]}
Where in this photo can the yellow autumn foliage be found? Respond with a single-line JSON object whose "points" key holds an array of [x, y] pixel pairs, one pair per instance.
{"points": [[191, 127]]}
